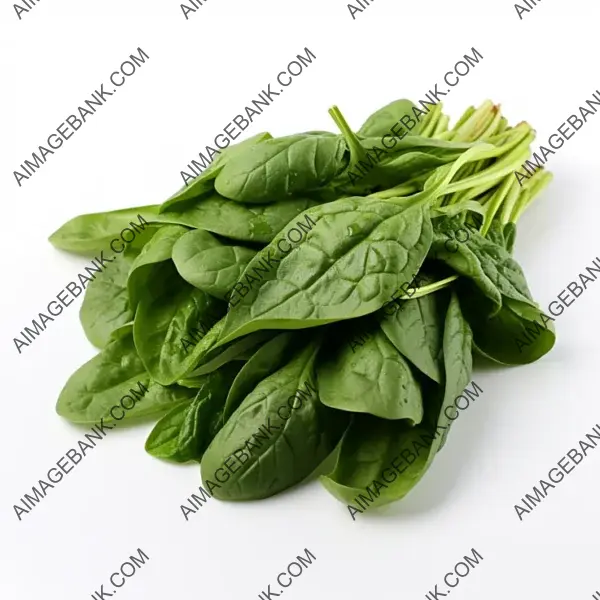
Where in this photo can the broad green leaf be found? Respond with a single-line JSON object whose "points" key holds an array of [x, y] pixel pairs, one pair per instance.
{"points": [[268, 445], [106, 302], [209, 264], [91, 233], [164, 437], [278, 168], [380, 460], [165, 324], [237, 221], [186, 431], [216, 356], [416, 330], [519, 333], [403, 167], [485, 262], [117, 371], [382, 120], [205, 181], [269, 357], [356, 253], [147, 273], [458, 366], [372, 378]]}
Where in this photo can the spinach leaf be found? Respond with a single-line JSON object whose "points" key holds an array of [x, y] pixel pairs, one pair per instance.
{"points": [[209, 264], [277, 168], [274, 444], [495, 232], [91, 233], [147, 272], [238, 221], [382, 120], [510, 236], [401, 168], [153, 261], [205, 181], [380, 460], [164, 326], [106, 302], [485, 262], [458, 366], [372, 378], [214, 357], [163, 440], [519, 333], [270, 357], [117, 372], [185, 432], [416, 330], [355, 255]]}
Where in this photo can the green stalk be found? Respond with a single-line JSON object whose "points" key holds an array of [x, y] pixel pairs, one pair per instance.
{"points": [[484, 198], [509, 202], [503, 126], [507, 163], [474, 192], [463, 119], [429, 289], [436, 182], [495, 202], [357, 152], [442, 126], [477, 122], [530, 190], [493, 126], [431, 120]]}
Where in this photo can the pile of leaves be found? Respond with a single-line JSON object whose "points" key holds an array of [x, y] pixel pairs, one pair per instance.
{"points": [[314, 294]]}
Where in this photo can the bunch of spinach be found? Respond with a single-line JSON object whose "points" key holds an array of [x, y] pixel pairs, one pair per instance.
{"points": [[254, 304]]}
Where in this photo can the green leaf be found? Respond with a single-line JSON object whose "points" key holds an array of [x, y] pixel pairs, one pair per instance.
{"points": [[215, 356], [209, 264], [380, 460], [416, 330], [510, 236], [382, 120], [485, 262], [96, 387], [205, 181], [458, 366], [277, 168], [272, 445], [106, 302], [91, 233], [147, 273], [164, 437], [403, 167], [165, 324], [519, 333], [372, 377], [186, 431], [269, 357], [356, 254], [370, 462], [238, 221]]}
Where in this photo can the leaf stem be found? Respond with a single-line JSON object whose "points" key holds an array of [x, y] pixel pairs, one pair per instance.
{"points": [[530, 190], [495, 202], [430, 288], [356, 150]]}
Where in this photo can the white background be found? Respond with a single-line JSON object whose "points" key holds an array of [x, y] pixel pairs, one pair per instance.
{"points": [[201, 73]]}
